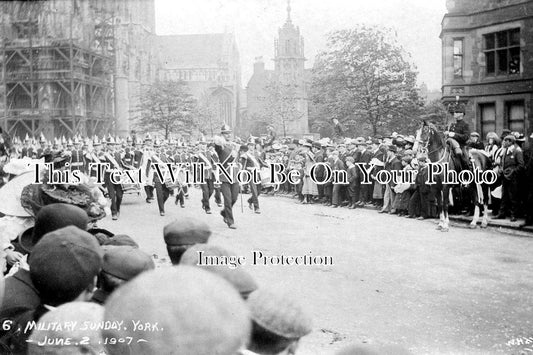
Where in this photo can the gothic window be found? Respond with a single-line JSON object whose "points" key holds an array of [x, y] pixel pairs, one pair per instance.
{"points": [[287, 47]]}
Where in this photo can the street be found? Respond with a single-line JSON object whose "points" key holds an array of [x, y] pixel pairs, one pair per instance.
{"points": [[393, 280]]}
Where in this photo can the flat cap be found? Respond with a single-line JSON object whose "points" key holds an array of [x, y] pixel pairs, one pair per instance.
{"points": [[279, 314], [121, 240], [63, 263], [197, 313], [240, 279], [83, 339], [186, 232], [126, 262]]}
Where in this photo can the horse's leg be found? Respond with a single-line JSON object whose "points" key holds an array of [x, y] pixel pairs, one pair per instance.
{"points": [[486, 197], [473, 224], [440, 210], [445, 201]]}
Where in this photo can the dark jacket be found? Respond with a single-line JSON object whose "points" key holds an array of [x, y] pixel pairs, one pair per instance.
{"points": [[512, 163], [19, 307], [462, 132]]}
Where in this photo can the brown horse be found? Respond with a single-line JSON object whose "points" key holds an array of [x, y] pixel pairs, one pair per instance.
{"points": [[434, 144]]}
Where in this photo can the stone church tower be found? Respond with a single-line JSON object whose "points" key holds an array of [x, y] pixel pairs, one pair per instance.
{"points": [[289, 67], [289, 71]]}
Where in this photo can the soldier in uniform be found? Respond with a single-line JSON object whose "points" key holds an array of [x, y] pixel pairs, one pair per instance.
{"points": [[161, 190], [250, 161], [93, 157], [76, 156], [145, 158], [213, 156], [228, 155], [207, 189], [113, 158], [180, 158], [458, 134]]}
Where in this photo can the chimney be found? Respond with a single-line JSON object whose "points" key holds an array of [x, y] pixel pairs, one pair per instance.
{"points": [[259, 65]]}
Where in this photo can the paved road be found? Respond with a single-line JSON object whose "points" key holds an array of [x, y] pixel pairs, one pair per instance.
{"points": [[394, 280]]}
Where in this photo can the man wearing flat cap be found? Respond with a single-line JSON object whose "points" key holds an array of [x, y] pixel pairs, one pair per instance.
{"points": [[21, 295], [278, 323], [512, 165], [120, 264], [180, 235], [63, 268]]}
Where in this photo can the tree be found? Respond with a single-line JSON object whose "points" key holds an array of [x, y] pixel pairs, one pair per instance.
{"points": [[205, 115], [167, 106], [364, 80], [280, 105], [436, 113]]}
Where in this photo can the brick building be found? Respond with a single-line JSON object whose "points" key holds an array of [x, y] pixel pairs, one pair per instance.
{"points": [[487, 55]]}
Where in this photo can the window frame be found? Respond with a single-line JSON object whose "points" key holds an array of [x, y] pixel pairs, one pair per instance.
{"points": [[508, 104], [497, 50], [482, 122], [460, 55]]}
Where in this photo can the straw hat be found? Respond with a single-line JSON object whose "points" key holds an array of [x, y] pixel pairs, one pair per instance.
{"points": [[11, 192]]}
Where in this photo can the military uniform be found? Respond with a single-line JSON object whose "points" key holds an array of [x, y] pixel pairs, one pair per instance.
{"points": [[227, 154], [250, 161], [114, 190]]}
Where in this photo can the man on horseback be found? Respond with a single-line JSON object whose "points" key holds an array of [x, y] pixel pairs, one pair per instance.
{"points": [[458, 134]]}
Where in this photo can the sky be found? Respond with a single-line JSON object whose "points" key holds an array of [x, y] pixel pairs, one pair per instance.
{"points": [[256, 22]]}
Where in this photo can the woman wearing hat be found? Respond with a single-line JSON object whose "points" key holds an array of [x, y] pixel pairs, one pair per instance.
{"points": [[309, 188], [493, 143]]}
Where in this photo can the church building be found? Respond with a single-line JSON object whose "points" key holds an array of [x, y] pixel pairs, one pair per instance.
{"points": [[288, 83]]}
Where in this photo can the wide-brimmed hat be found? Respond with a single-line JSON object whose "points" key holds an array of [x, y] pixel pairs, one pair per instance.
{"points": [[51, 218], [19, 166], [11, 192]]}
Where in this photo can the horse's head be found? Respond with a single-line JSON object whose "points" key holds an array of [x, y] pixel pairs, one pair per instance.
{"points": [[431, 141]]}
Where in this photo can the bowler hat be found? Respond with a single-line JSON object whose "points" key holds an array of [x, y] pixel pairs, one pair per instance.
{"points": [[53, 217], [225, 129]]}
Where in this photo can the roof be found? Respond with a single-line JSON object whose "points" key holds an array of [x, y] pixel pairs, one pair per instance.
{"points": [[194, 51]]}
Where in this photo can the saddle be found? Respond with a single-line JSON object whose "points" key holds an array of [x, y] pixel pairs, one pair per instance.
{"points": [[458, 154]]}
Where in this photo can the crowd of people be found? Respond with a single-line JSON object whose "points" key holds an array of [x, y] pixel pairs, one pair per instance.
{"points": [[72, 287], [511, 160], [510, 157]]}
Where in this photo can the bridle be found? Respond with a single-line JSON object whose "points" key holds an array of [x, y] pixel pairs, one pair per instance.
{"points": [[425, 144]]}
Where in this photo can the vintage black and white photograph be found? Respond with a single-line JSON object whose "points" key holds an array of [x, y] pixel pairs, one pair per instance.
{"points": [[266, 177]]}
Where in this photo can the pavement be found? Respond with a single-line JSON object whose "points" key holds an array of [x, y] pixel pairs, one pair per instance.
{"points": [[393, 280]]}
